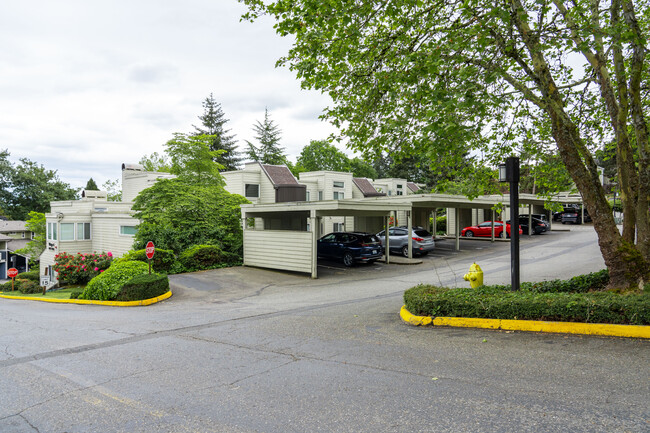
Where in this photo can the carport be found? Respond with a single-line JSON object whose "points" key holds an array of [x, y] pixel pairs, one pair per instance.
{"points": [[285, 235], [288, 240]]}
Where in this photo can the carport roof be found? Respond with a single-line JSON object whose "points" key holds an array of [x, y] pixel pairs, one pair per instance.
{"points": [[346, 207], [381, 206]]}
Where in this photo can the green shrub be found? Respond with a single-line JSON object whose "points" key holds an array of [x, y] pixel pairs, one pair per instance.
{"points": [[143, 286], [22, 286], [32, 275], [80, 268], [163, 260], [76, 293], [106, 286], [441, 224], [201, 257], [29, 286], [498, 302]]}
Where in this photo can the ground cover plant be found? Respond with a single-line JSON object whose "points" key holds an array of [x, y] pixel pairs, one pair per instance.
{"points": [[580, 299]]}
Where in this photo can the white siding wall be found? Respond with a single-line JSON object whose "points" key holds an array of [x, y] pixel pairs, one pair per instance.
{"points": [[287, 250], [135, 181], [106, 233]]}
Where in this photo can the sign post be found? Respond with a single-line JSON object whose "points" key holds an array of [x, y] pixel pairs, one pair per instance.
{"points": [[12, 273], [150, 250], [45, 281]]}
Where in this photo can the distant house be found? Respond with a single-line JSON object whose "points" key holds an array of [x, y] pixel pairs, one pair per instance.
{"points": [[13, 236], [264, 183], [94, 224]]}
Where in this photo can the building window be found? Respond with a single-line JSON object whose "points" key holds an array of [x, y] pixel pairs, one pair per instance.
{"points": [[307, 198], [320, 195], [83, 231], [252, 190], [399, 192], [399, 186], [67, 231], [390, 192], [128, 230], [338, 227], [339, 195], [339, 184], [51, 231]]}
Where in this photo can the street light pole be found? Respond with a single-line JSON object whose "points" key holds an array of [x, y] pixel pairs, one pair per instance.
{"points": [[509, 172]]}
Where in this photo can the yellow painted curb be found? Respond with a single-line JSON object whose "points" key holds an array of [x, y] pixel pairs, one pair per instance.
{"points": [[631, 331], [414, 320], [93, 302]]}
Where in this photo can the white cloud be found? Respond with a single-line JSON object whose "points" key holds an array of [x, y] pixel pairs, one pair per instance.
{"points": [[89, 85]]}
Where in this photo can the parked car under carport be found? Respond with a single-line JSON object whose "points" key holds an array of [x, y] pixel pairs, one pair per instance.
{"points": [[350, 247]]}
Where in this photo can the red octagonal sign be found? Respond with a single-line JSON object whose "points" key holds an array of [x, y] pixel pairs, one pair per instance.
{"points": [[12, 272], [150, 250]]}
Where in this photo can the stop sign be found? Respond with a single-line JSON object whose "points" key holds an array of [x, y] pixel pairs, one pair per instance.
{"points": [[12, 272], [150, 250]]}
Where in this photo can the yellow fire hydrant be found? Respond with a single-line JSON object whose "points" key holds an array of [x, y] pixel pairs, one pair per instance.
{"points": [[474, 276]]}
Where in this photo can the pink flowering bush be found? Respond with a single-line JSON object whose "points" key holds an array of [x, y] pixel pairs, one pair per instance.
{"points": [[80, 268]]}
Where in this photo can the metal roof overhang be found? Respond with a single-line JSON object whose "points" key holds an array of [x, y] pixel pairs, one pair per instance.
{"points": [[346, 207], [381, 206]]}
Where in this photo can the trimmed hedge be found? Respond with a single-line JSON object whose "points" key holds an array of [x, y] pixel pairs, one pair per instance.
{"points": [[32, 275], [143, 287], [565, 301], [163, 260], [105, 286], [200, 257], [22, 286]]}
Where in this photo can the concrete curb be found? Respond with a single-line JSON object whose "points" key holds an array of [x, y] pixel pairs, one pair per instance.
{"points": [[629, 331], [93, 302]]}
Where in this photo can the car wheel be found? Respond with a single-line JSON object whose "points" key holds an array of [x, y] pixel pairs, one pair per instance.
{"points": [[348, 260], [469, 234], [501, 235], [405, 251]]}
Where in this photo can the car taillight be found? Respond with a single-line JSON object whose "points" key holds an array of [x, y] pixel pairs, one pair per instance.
{"points": [[418, 239]]}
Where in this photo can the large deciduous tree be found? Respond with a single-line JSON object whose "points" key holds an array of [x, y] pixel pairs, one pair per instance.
{"points": [[36, 224], [213, 123], [441, 77], [28, 186], [268, 135]]}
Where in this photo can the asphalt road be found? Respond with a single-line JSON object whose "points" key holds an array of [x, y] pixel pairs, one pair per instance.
{"points": [[242, 350]]}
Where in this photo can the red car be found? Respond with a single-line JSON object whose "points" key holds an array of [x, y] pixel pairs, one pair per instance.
{"points": [[485, 229]]}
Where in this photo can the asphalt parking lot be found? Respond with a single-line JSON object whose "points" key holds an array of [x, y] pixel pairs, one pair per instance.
{"points": [[252, 350]]}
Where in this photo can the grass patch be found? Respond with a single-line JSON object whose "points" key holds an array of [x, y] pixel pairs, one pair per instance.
{"points": [[580, 299], [51, 294]]}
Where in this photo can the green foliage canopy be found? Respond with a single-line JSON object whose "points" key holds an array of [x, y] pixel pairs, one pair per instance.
{"points": [[268, 135], [178, 213], [28, 186], [36, 224]]}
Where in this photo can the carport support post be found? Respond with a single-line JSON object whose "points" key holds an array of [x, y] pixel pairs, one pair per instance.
{"points": [[493, 216], [313, 221], [457, 227], [530, 220], [434, 221], [409, 225], [386, 232]]}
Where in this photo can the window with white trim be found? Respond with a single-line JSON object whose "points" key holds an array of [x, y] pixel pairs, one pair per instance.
{"points": [[67, 231], [338, 227], [307, 198], [51, 231], [320, 195], [339, 184], [83, 231], [252, 190], [339, 195], [128, 230]]}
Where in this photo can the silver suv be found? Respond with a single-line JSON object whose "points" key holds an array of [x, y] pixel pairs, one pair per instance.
{"points": [[422, 240]]}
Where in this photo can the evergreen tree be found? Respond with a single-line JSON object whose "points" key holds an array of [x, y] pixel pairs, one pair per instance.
{"points": [[91, 185], [212, 123], [268, 135]]}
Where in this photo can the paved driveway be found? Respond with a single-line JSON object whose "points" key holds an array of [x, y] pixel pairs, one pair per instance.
{"points": [[241, 350]]}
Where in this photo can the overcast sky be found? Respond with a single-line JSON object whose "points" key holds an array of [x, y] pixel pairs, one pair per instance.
{"points": [[86, 85]]}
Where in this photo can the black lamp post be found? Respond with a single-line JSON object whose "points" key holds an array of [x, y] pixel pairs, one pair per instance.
{"points": [[509, 172]]}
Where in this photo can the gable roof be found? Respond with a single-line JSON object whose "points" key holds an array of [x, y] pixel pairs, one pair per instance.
{"points": [[12, 226], [412, 186], [279, 174], [366, 187]]}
